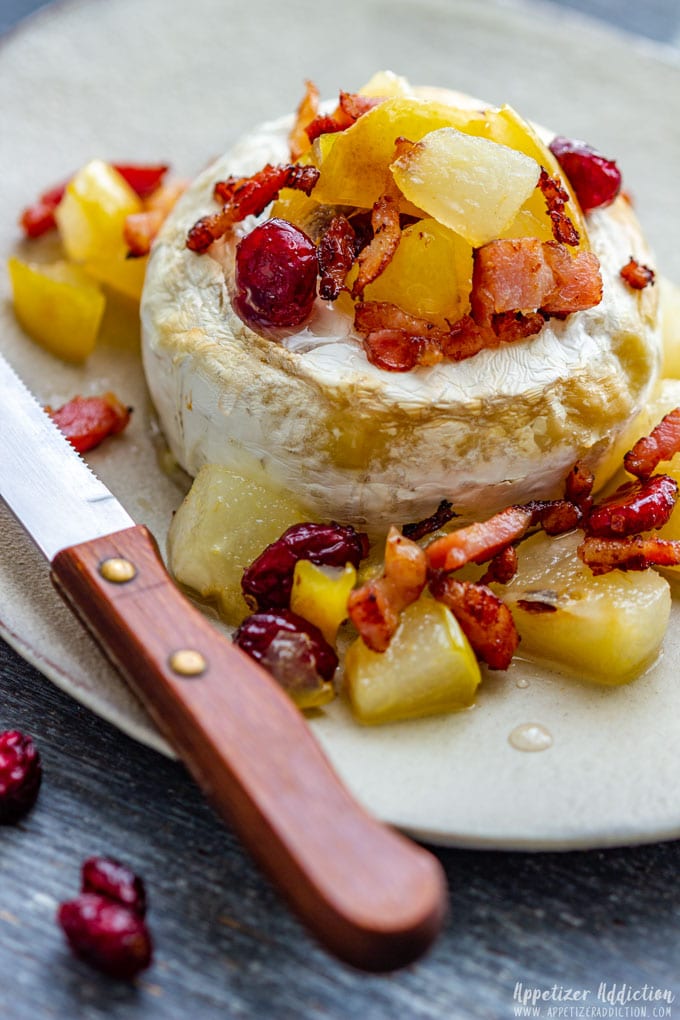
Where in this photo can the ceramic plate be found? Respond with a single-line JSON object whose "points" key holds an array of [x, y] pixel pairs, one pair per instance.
{"points": [[181, 83]]}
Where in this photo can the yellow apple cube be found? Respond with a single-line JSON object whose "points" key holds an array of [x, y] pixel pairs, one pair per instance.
{"points": [[320, 595], [58, 305], [607, 629], [91, 217], [428, 668], [430, 274], [470, 184], [224, 523]]}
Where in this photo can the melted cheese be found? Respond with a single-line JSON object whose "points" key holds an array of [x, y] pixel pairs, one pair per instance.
{"points": [[370, 447]]}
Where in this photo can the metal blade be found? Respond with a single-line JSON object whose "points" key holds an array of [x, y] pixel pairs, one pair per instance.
{"points": [[45, 483]]}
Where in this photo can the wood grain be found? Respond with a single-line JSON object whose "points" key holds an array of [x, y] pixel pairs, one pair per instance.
{"points": [[372, 897]]}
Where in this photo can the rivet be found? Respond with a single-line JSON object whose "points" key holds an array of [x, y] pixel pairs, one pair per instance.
{"points": [[187, 662], [117, 570]]}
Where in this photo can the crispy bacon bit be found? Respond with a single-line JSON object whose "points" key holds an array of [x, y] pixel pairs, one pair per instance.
{"points": [[556, 198], [87, 421], [524, 274], [502, 568], [556, 516], [578, 487], [374, 608], [140, 229], [350, 107], [306, 112], [480, 542], [511, 326], [379, 252], [637, 275], [484, 619], [634, 507], [354, 105], [635, 552], [442, 515], [661, 444], [335, 252], [396, 351], [37, 219], [248, 196]]}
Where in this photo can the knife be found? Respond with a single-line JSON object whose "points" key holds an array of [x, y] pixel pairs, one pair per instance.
{"points": [[370, 896]]}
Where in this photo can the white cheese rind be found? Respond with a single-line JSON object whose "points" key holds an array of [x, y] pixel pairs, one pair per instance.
{"points": [[370, 447]]}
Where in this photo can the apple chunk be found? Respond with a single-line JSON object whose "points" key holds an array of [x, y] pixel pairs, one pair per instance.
{"points": [[469, 184], [607, 629]]}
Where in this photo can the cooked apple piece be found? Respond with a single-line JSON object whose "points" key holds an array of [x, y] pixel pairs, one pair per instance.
{"points": [[320, 595], [224, 523], [607, 629], [355, 163], [506, 127], [470, 184], [58, 305], [428, 668], [387, 85], [430, 274], [91, 217]]}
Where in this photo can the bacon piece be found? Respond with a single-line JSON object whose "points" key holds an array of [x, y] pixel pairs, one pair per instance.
{"points": [[140, 229], [556, 516], [248, 196], [637, 275], [379, 252], [335, 252], [37, 219], [396, 351], [526, 274], [306, 112], [578, 487], [87, 421], [484, 619], [350, 107], [556, 198], [465, 339], [374, 608], [479, 542], [511, 326], [634, 507], [635, 552], [395, 340], [578, 283], [661, 444], [502, 568], [442, 515]]}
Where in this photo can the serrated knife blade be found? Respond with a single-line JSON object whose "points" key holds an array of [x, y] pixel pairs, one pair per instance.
{"points": [[45, 483], [370, 896]]}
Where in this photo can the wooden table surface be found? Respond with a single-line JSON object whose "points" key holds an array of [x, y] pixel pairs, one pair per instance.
{"points": [[225, 944]]}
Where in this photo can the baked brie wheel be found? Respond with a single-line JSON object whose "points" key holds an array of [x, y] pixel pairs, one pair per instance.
{"points": [[371, 447]]}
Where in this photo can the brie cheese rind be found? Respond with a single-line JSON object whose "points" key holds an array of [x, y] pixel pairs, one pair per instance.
{"points": [[370, 447]]}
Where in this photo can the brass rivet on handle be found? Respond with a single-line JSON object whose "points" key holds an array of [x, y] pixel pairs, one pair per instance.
{"points": [[187, 662], [117, 570]]}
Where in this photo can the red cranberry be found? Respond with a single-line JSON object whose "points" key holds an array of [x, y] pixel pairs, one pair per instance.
{"points": [[107, 935], [268, 581], [20, 775], [595, 179], [110, 878], [287, 645], [276, 269]]}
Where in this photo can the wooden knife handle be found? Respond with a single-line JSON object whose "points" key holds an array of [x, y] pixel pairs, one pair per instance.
{"points": [[372, 897]]}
